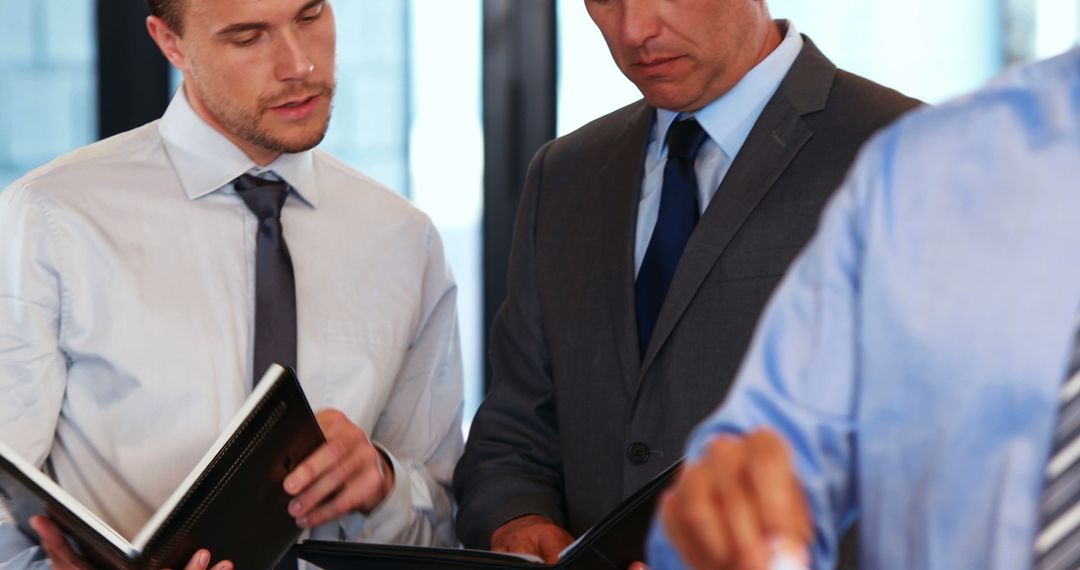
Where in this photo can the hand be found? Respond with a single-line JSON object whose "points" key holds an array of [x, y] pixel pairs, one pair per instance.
{"points": [[345, 474], [638, 566], [531, 534], [62, 557], [737, 505]]}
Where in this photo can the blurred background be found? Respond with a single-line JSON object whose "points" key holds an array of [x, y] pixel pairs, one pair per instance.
{"points": [[445, 101]]}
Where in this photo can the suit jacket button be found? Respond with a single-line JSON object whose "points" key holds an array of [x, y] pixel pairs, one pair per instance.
{"points": [[638, 453]]}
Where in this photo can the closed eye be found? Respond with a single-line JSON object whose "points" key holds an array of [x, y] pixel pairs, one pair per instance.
{"points": [[245, 40], [312, 14]]}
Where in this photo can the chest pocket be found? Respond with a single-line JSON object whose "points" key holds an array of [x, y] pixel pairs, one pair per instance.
{"points": [[359, 362], [364, 332]]}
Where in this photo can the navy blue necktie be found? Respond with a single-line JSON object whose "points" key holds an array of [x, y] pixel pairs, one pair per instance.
{"points": [[275, 285], [675, 222]]}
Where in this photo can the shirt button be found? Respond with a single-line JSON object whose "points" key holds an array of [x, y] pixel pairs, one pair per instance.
{"points": [[638, 453]]}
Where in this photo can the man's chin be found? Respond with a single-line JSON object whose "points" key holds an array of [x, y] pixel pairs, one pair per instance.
{"points": [[303, 145], [293, 143]]}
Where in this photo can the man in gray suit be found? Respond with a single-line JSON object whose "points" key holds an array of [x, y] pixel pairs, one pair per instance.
{"points": [[647, 243]]}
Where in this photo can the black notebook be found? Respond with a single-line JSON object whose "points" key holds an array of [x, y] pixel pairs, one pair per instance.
{"points": [[231, 503], [614, 543]]}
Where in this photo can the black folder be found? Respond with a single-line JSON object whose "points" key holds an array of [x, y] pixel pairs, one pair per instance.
{"points": [[614, 543], [232, 503]]}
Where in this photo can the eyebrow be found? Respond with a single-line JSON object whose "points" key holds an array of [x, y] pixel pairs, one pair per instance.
{"points": [[248, 26]]}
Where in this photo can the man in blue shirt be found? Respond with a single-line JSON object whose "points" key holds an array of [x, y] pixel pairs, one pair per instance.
{"points": [[915, 358]]}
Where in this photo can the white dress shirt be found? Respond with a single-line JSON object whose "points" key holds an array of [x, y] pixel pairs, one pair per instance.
{"points": [[728, 121], [127, 284]]}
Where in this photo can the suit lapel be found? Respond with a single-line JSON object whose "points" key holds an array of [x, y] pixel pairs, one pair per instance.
{"points": [[622, 174], [776, 138]]}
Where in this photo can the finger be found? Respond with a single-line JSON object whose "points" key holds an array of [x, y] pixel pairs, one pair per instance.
{"points": [[342, 439], [708, 533], [553, 543], [322, 485], [199, 560], [638, 566], [513, 544], [729, 462], [326, 457], [44, 528], [359, 466], [530, 547], [671, 517], [226, 565], [61, 555], [776, 489], [54, 543], [362, 494], [548, 554], [331, 420], [696, 531]]}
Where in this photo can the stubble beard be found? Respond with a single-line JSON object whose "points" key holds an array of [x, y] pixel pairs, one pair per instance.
{"points": [[249, 126]]}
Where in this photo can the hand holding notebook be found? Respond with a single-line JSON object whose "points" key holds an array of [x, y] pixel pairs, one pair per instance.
{"points": [[613, 544], [532, 534], [232, 503], [62, 557], [345, 474]]}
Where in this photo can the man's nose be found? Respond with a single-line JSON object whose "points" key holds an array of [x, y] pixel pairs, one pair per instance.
{"points": [[293, 63], [640, 22]]}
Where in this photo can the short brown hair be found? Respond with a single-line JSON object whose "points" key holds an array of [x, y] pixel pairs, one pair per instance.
{"points": [[168, 11]]}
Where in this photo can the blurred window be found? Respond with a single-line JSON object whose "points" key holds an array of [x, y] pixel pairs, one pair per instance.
{"points": [[48, 82], [407, 113]]}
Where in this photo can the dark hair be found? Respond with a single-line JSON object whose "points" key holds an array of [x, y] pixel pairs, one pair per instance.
{"points": [[168, 11]]}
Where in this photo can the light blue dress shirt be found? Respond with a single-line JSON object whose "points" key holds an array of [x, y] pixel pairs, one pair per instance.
{"points": [[727, 121], [913, 355]]}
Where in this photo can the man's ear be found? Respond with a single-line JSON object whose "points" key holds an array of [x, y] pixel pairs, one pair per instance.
{"points": [[167, 40]]}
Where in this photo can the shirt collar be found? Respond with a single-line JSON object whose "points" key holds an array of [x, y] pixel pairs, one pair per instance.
{"points": [[206, 161], [729, 119]]}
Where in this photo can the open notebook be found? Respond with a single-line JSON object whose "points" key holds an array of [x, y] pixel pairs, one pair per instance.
{"points": [[614, 543], [232, 502]]}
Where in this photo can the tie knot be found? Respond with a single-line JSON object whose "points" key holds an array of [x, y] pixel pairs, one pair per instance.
{"points": [[685, 139], [263, 197]]}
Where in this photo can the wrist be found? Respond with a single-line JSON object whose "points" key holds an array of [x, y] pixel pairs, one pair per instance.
{"points": [[385, 466]]}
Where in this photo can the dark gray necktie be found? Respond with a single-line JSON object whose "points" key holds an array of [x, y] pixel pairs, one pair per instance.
{"points": [[1057, 544], [275, 285]]}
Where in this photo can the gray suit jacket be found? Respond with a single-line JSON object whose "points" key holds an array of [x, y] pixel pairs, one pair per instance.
{"points": [[577, 419]]}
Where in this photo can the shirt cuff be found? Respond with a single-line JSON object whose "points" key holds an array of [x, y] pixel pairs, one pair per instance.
{"points": [[390, 517]]}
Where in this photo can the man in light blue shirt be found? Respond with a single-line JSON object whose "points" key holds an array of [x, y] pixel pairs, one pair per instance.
{"points": [[915, 357]]}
